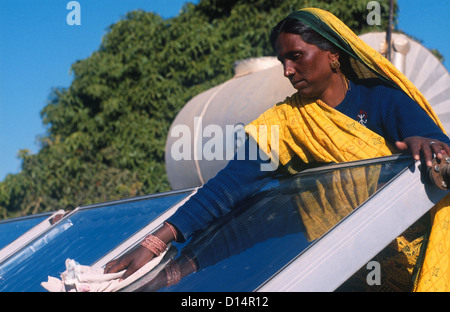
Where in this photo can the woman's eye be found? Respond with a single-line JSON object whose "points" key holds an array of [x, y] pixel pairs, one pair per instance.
{"points": [[296, 56]]}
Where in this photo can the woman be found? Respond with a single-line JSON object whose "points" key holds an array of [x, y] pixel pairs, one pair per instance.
{"points": [[338, 78]]}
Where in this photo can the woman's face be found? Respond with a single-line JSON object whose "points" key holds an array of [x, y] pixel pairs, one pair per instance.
{"points": [[305, 65]]}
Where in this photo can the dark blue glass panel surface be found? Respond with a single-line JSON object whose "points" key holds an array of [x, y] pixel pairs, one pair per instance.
{"points": [[14, 228], [84, 236]]}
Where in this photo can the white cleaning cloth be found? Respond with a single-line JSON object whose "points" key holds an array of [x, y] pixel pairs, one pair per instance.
{"points": [[81, 278]]}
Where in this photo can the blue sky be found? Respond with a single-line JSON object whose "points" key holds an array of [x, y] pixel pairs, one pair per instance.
{"points": [[37, 48]]}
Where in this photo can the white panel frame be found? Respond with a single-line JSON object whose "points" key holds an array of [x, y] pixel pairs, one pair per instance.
{"points": [[325, 265]]}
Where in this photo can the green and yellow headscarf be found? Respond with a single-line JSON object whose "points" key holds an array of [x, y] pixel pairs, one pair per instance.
{"points": [[306, 127]]}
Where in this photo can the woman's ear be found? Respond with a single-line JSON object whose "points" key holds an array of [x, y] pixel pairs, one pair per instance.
{"points": [[334, 60]]}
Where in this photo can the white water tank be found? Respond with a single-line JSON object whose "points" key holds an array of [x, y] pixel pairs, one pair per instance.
{"points": [[258, 84], [422, 68]]}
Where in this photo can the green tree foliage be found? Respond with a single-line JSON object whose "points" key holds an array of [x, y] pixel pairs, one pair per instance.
{"points": [[107, 131]]}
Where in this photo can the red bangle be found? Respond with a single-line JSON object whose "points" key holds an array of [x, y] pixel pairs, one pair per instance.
{"points": [[154, 244], [174, 232], [192, 262]]}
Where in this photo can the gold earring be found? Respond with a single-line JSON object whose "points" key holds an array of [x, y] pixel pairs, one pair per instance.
{"points": [[335, 64]]}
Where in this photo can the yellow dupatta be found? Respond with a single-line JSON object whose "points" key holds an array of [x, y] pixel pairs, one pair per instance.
{"points": [[314, 132]]}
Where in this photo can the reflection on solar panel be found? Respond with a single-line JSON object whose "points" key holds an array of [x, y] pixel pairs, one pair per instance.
{"points": [[12, 229], [249, 249], [243, 250]]}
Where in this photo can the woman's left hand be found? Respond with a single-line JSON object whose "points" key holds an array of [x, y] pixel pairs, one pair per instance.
{"points": [[425, 146]]}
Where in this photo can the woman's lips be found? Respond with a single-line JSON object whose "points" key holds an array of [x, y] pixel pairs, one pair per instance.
{"points": [[299, 84]]}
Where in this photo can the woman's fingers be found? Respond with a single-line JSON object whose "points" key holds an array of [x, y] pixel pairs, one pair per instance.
{"points": [[115, 266], [439, 148], [424, 146], [427, 152], [131, 261]]}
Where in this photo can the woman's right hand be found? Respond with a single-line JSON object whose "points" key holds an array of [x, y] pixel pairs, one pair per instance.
{"points": [[139, 256], [131, 261]]}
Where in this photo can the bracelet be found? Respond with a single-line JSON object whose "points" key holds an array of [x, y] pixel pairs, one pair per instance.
{"points": [[192, 262], [173, 273], [174, 232], [154, 244]]}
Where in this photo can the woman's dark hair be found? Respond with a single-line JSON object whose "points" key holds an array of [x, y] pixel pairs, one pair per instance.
{"points": [[309, 35]]}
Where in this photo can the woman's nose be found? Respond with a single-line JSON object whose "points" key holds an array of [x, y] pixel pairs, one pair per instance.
{"points": [[288, 70]]}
